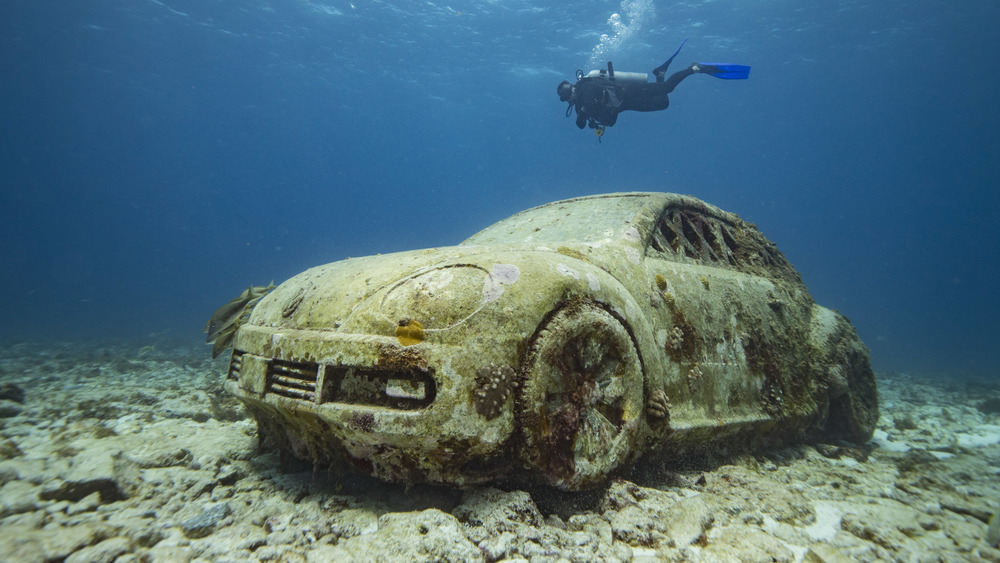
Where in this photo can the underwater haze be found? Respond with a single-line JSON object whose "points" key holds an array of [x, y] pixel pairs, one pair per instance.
{"points": [[159, 156]]}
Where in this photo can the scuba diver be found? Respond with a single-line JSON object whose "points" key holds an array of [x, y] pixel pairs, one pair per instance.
{"points": [[600, 95]]}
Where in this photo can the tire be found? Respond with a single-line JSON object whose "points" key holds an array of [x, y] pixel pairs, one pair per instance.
{"points": [[582, 398], [845, 365], [854, 414]]}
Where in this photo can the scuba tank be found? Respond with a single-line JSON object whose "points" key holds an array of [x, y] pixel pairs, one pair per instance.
{"points": [[622, 77]]}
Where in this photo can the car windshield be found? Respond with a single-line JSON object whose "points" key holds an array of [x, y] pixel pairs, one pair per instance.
{"points": [[588, 219]]}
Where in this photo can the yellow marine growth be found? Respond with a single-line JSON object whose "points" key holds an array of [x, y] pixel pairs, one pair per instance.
{"points": [[409, 332]]}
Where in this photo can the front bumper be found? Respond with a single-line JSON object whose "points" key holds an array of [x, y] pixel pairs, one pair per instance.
{"points": [[401, 413]]}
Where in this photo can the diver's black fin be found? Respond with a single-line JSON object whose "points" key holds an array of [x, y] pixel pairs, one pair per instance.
{"points": [[661, 70], [724, 70]]}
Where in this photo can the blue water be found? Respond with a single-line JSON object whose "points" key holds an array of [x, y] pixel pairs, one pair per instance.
{"points": [[156, 157]]}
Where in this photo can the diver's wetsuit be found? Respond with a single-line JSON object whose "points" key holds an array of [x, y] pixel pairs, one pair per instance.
{"points": [[599, 100]]}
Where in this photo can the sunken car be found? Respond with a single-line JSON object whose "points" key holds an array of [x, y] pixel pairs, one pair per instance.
{"points": [[556, 346]]}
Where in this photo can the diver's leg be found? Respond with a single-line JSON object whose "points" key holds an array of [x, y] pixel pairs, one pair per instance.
{"points": [[646, 97], [676, 77], [661, 71]]}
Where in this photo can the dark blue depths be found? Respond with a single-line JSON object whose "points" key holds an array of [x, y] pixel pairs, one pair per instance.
{"points": [[156, 157]]}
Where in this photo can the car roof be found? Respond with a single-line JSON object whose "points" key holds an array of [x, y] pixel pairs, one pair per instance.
{"points": [[584, 219], [673, 227]]}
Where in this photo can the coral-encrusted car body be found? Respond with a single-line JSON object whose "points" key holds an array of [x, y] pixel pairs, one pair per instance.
{"points": [[558, 345]]}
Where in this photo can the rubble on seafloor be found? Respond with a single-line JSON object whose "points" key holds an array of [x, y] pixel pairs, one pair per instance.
{"points": [[116, 453]]}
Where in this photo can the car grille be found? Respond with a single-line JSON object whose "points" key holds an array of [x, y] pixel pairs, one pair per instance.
{"points": [[407, 389], [235, 364], [296, 380]]}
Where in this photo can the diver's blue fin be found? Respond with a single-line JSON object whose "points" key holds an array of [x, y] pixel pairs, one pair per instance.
{"points": [[724, 70], [661, 70]]}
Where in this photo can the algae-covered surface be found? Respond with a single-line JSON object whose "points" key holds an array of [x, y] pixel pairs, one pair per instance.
{"points": [[117, 452]]}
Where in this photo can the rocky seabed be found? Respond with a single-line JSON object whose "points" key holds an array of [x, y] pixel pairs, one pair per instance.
{"points": [[120, 453]]}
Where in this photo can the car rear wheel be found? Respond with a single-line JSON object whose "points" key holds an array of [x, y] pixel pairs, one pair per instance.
{"points": [[582, 397]]}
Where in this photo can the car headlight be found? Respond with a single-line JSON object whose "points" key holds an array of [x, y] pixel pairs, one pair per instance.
{"points": [[438, 298]]}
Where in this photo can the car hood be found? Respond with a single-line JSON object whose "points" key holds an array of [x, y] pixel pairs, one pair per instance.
{"points": [[440, 288]]}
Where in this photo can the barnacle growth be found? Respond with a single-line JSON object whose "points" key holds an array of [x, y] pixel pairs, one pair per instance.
{"points": [[494, 384], [668, 297], [694, 375], [675, 339], [658, 405]]}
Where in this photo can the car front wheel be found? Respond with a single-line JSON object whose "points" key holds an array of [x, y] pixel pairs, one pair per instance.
{"points": [[581, 399]]}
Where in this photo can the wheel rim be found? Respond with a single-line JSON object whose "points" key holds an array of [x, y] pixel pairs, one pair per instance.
{"points": [[581, 399]]}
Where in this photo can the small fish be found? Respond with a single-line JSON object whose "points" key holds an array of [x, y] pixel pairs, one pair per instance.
{"points": [[221, 327], [223, 340], [225, 316]]}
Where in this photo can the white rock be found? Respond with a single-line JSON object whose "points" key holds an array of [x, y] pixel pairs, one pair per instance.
{"points": [[17, 497]]}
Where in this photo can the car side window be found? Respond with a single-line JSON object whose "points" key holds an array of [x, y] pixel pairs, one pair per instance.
{"points": [[688, 235]]}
